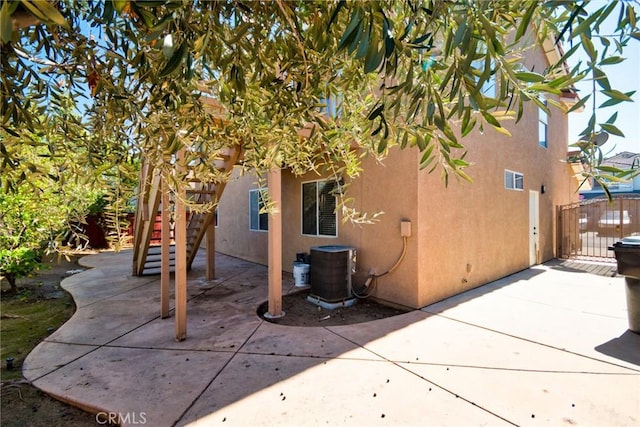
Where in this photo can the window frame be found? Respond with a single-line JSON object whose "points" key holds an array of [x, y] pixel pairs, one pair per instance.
{"points": [[543, 127], [317, 203], [490, 88], [515, 178], [261, 216]]}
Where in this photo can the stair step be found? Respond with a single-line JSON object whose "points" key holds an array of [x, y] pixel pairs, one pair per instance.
{"points": [[158, 264], [152, 271], [157, 250], [158, 257], [199, 193]]}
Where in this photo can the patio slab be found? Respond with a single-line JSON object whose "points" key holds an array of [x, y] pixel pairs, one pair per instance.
{"points": [[544, 346], [439, 341], [576, 312], [297, 391], [55, 356], [157, 385], [529, 397]]}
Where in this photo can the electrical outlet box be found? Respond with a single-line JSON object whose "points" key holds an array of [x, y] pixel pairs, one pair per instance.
{"points": [[405, 228]]}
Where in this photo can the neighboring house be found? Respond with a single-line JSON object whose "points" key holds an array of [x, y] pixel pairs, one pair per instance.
{"points": [[624, 161], [462, 236]]}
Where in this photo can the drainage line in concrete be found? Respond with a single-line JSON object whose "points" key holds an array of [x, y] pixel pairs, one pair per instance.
{"points": [[457, 396], [564, 350], [235, 353]]}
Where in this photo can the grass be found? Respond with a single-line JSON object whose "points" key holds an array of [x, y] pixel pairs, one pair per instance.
{"points": [[38, 308], [25, 323]]}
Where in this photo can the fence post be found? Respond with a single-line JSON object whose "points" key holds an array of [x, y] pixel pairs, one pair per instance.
{"points": [[621, 199]]}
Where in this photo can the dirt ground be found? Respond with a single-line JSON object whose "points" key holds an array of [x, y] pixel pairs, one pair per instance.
{"points": [[38, 308], [300, 312]]}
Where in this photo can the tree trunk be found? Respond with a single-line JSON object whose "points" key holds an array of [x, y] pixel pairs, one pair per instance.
{"points": [[11, 279]]}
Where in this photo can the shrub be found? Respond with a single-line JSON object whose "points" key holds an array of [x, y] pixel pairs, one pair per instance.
{"points": [[19, 262]]}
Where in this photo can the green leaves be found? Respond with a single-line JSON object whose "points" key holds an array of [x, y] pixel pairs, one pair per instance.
{"points": [[119, 5], [601, 78], [525, 23], [6, 26], [255, 73], [613, 130], [530, 77], [364, 36], [45, 12], [616, 97], [174, 63], [350, 33]]}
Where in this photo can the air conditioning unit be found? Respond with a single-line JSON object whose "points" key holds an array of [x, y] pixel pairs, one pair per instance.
{"points": [[330, 275]]}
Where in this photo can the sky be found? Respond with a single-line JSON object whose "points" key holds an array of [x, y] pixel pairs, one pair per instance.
{"points": [[624, 77]]}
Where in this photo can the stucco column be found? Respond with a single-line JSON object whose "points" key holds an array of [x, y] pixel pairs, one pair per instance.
{"points": [[274, 182]]}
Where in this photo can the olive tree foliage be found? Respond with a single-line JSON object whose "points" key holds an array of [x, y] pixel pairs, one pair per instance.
{"points": [[45, 209], [153, 77]]}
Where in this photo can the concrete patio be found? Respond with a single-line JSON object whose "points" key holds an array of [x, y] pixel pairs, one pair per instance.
{"points": [[546, 346]]}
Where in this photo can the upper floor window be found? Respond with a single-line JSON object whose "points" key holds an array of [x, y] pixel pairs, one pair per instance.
{"points": [[331, 105], [319, 216], [543, 127], [489, 87], [513, 180], [259, 221]]}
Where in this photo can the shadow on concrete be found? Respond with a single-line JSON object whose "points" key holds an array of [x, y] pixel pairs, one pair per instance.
{"points": [[116, 344], [117, 354], [576, 266], [481, 290], [626, 347]]}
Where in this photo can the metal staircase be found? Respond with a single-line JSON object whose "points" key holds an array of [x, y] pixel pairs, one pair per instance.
{"points": [[147, 241]]}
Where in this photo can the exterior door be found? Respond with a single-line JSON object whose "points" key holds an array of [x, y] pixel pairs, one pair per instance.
{"points": [[534, 227]]}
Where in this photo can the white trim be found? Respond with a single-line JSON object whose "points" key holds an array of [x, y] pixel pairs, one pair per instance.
{"points": [[514, 180]]}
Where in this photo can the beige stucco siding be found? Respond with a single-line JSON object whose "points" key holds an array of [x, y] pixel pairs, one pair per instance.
{"points": [[233, 234], [388, 188], [481, 231], [463, 235]]}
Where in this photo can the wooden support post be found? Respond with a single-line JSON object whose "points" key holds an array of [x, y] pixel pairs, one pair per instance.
{"points": [[274, 181], [211, 251], [181, 257], [165, 262]]}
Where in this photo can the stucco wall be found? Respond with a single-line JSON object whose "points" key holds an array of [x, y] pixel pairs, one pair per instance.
{"points": [[388, 188], [233, 235], [463, 235], [473, 233]]}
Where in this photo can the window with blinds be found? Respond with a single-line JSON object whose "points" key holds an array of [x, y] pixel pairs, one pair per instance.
{"points": [[259, 221], [319, 209]]}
